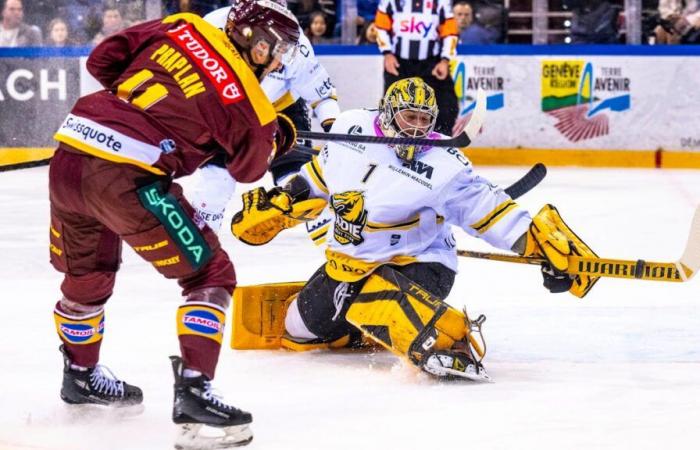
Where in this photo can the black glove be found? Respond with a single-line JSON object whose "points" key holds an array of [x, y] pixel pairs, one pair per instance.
{"points": [[286, 135], [556, 282]]}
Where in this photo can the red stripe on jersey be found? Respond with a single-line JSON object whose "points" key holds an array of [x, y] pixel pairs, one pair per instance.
{"points": [[211, 63]]}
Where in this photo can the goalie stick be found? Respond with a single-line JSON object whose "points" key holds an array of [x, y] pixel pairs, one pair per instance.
{"points": [[463, 140], [679, 271]]}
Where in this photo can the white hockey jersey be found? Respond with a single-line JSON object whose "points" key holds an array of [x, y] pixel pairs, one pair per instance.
{"points": [[305, 77], [385, 210]]}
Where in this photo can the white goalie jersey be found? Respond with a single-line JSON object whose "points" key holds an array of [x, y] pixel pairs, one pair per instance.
{"points": [[385, 210], [305, 77]]}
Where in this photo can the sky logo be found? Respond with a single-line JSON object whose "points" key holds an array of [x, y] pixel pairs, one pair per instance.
{"points": [[201, 321], [415, 26]]}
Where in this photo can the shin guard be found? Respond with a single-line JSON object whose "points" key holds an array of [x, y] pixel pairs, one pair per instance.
{"points": [[81, 334], [200, 330]]}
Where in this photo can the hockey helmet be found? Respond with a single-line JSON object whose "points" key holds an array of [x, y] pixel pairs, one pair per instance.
{"points": [[408, 109], [263, 27]]}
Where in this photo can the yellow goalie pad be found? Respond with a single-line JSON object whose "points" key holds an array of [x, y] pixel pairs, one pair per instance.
{"points": [[406, 319], [258, 315], [258, 319]]}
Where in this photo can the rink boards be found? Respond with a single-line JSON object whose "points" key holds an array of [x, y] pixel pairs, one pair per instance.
{"points": [[614, 106]]}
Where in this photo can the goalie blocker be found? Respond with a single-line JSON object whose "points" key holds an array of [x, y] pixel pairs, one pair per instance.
{"points": [[389, 308]]}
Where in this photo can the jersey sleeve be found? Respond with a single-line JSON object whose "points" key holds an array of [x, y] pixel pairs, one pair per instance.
{"points": [[113, 55], [447, 30], [313, 83], [312, 172], [383, 20], [483, 210], [252, 149]]}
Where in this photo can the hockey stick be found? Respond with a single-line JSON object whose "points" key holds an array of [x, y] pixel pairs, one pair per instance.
{"points": [[679, 271], [463, 140], [528, 181]]}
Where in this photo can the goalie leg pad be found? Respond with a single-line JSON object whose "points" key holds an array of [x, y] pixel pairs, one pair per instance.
{"points": [[258, 315], [405, 318]]}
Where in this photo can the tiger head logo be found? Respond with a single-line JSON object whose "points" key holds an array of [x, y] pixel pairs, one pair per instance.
{"points": [[350, 217]]}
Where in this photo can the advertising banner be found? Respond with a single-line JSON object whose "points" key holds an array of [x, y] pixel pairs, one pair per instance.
{"points": [[35, 96]]}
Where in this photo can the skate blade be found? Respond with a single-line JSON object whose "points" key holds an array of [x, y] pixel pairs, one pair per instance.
{"points": [[481, 376], [92, 412], [196, 436]]}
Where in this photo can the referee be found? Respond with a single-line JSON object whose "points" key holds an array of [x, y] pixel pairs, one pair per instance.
{"points": [[418, 38]]}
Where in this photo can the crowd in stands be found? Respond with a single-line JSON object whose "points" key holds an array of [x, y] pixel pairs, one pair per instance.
{"points": [[60, 23]]}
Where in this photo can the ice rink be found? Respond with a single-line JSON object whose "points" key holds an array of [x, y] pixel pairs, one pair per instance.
{"points": [[619, 369]]}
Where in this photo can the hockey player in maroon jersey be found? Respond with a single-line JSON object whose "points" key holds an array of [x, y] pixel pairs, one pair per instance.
{"points": [[177, 93]]}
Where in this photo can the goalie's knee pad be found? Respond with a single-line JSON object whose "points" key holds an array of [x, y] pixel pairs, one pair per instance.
{"points": [[404, 317]]}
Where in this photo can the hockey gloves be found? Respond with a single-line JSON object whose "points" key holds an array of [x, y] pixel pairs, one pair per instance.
{"points": [[551, 238], [286, 136], [265, 214], [262, 216]]}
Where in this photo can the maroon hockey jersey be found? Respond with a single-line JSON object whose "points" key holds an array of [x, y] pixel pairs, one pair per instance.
{"points": [[176, 93]]}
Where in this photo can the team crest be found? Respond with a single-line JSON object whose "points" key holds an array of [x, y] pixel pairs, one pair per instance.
{"points": [[350, 217]]}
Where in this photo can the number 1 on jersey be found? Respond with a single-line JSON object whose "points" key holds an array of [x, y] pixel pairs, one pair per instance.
{"points": [[372, 166], [152, 95]]}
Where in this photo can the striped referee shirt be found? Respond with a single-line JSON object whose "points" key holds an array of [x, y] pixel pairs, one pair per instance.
{"points": [[416, 29]]}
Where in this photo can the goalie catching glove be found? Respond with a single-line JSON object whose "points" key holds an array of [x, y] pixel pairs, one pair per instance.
{"points": [[265, 214], [551, 238]]}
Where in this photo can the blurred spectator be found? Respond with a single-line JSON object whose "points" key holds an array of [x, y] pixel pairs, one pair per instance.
{"points": [[318, 26], [471, 31], [302, 9], [57, 34], [82, 17], [329, 8], [200, 7], [680, 22], [112, 22], [13, 31], [368, 34], [593, 21]]}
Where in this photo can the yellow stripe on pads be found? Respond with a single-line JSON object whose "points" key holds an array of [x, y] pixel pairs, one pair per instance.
{"points": [[19, 155]]}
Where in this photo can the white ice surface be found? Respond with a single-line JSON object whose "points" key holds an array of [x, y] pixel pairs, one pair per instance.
{"points": [[617, 370]]}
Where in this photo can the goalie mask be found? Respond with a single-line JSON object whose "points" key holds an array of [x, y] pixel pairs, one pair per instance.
{"points": [[265, 32], [408, 109]]}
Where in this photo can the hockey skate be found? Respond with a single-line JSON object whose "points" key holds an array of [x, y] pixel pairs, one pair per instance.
{"points": [[461, 360], [454, 364], [205, 422], [98, 387]]}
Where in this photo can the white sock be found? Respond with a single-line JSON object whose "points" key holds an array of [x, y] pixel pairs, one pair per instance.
{"points": [[77, 367], [189, 373]]}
